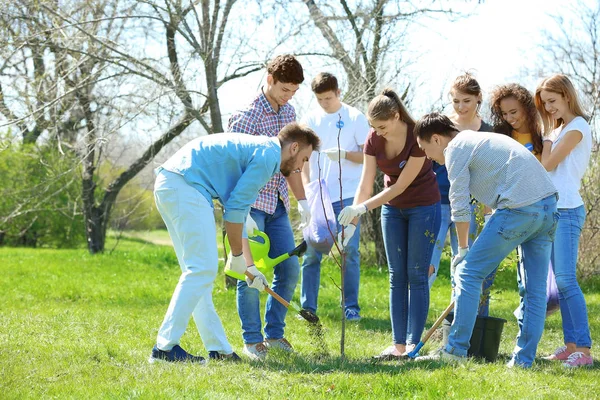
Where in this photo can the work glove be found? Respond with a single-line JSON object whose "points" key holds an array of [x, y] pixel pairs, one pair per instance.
{"points": [[462, 253], [348, 233], [349, 213], [335, 154], [251, 226], [236, 264], [259, 281], [304, 211]]}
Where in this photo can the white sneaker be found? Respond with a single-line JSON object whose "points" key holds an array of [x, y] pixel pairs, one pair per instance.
{"points": [[281, 344], [256, 351], [443, 356]]}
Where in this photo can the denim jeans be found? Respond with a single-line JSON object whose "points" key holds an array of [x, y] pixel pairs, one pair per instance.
{"points": [[573, 310], [532, 228], [409, 237], [279, 230], [447, 226], [311, 269]]}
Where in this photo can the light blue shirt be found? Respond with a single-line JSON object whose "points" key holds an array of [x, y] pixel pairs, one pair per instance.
{"points": [[229, 167], [496, 169]]}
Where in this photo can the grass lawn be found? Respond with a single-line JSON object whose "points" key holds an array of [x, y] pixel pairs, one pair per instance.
{"points": [[79, 326]]}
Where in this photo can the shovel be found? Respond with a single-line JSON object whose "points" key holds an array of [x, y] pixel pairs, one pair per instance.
{"points": [[413, 354], [307, 315]]}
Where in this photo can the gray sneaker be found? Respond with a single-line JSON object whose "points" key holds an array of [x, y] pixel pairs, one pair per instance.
{"points": [[443, 356], [281, 344], [256, 351]]}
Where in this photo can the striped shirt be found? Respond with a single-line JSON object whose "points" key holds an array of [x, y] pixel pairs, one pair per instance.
{"points": [[496, 170], [259, 118]]}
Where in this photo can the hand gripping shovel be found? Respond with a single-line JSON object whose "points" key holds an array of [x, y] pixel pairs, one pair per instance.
{"points": [[413, 354], [307, 315]]}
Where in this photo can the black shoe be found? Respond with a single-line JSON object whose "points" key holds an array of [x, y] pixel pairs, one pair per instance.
{"points": [[215, 355], [176, 354]]}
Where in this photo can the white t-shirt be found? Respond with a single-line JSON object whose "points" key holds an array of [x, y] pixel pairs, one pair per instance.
{"points": [[355, 129], [568, 174]]}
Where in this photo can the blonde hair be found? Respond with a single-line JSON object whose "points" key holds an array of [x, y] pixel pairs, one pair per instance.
{"points": [[467, 84], [386, 105], [559, 84]]}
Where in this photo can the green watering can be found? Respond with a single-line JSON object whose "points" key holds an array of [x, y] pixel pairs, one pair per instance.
{"points": [[260, 253]]}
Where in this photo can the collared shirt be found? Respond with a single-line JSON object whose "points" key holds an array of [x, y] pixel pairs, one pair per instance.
{"points": [[229, 167], [496, 170], [261, 119]]}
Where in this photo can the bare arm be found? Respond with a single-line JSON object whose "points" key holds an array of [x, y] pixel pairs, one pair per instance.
{"points": [[407, 176], [234, 234], [462, 231], [295, 182], [551, 158], [355, 156]]}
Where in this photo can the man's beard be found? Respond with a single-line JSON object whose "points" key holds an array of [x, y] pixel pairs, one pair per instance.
{"points": [[288, 167]]}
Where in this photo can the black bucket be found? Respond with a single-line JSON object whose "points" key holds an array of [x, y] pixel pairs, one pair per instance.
{"points": [[485, 339]]}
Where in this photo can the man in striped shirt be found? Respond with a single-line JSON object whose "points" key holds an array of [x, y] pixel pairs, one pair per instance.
{"points": [[268, 113], [502, 174]]}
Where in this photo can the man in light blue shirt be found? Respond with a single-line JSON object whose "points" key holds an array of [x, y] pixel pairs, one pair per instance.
{"points": [[502, 174], [230, 168]]}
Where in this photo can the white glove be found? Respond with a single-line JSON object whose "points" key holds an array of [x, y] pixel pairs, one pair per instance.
{"points": [[304, 211], [259, 281], [251, 226], [349, 213], [348, 233], [335, 154], [236, 264], [462, 253]]}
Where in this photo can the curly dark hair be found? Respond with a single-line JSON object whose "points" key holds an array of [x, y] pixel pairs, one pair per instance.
{"points": [[286, 68], [525, 98]]}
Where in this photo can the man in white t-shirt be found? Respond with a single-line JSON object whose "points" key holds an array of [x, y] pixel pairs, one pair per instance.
{"points": [[332, 118]]}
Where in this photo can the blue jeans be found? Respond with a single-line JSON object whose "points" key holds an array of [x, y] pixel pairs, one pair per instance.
{"points": [[280, 233], [409, 237], [448, 226], [573, 310], [532, 228], [311, 269]]}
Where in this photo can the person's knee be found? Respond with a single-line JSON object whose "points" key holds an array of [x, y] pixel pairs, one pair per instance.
{"points": [[565, 282]]}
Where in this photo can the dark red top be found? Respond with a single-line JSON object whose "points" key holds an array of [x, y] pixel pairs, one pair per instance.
{"points": [[423, 191]]}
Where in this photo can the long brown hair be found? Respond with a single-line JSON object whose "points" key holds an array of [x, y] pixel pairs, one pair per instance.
{"points": [[562, 85], [525, 99], [386, 105]]}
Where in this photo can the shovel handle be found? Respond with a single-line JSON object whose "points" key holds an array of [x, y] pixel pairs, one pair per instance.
{"points": [[271, 292], [438, 322]]}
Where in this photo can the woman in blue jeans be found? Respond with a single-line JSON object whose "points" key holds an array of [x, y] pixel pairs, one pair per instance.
{"points": [[410, 216], [565, 155]]}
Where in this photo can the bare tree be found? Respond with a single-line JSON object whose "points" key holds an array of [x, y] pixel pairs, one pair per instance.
{"points": [[74, 71]]}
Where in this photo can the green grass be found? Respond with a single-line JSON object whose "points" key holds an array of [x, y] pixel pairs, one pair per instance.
{"points": [[79, 326]]}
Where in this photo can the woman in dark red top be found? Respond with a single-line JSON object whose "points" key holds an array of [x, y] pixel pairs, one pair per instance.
{"points": [[410, 215]]}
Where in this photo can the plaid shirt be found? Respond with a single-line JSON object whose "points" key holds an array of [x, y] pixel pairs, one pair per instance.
{"points": [[261, 119]]}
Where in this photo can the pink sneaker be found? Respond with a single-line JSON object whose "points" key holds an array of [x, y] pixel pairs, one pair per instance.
{"points": [[578, 359], [560, 354]]}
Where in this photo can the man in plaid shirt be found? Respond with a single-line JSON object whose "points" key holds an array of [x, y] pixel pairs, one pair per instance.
{"points": [[268, 113]]}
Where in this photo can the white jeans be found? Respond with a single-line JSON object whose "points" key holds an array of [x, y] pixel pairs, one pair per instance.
{"points": [[191, 224]]}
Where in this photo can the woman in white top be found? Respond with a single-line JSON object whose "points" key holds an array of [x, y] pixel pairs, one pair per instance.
{"points": [[565, 155]]}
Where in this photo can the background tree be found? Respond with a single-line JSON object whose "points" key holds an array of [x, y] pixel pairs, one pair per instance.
{"points": [[89, 72]]}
